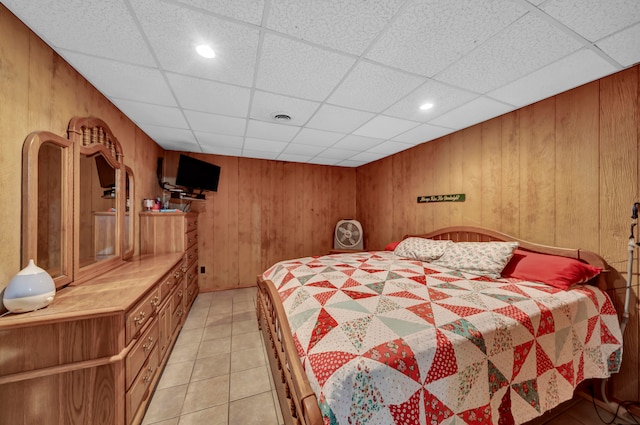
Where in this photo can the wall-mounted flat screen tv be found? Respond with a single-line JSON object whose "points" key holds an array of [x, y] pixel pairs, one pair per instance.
{"points": [[195, 174]]}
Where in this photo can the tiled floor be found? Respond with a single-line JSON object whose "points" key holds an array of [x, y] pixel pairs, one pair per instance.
{"points": [[217, 373]]}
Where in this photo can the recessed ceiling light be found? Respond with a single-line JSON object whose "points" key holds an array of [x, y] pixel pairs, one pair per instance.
{"points": [[426, 106], [205, 51], [281, 116]]}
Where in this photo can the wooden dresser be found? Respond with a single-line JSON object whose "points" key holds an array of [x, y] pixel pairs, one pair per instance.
{"points": [[95, 354]]}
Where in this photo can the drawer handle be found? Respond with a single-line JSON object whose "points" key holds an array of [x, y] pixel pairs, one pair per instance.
{"points": [[139, 319], [191, 276], [191, 292], [179, 313], [180, 293], [147, 378], [184, 269], [147, 347], [176, 274], [155, 301]]}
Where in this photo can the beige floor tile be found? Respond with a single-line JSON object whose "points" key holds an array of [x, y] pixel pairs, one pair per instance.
{"points": [[245, 326], [166, 404], [239, 307], [244, 315], [216, 415], [255, 410], [206, 393], [218, 319], [246, 341], [246, 383], [247, 359], [209, 367], [189, 336], [176, 374], [212, 347], [217, 331], [183, 352], [172, 421], [221, 306], [197, 320], [276, 404]]}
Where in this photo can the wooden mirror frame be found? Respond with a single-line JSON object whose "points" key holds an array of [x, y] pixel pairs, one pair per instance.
{"points": [[85, 136]]}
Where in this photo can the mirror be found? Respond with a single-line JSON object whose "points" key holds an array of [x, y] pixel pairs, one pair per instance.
{"points": [[97, 212], [46, 205], [129, 215], [77, 202]]}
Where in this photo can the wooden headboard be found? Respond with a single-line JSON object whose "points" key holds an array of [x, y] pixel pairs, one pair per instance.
{"points": [[479, 234]]}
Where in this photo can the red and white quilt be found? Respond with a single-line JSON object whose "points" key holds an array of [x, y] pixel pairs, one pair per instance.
{"points": [[384, 340]]}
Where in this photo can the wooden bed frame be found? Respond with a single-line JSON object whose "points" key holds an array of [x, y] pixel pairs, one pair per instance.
{"points": [[298, 402]]}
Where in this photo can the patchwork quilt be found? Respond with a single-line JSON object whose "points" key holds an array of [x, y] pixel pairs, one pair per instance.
{"points": [[385, 340]]}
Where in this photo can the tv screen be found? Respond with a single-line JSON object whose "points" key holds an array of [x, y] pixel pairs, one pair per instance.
{"points": [[195, 174]]}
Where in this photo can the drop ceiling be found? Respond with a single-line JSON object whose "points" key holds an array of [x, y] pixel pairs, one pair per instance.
{"points": [[351, 74]]}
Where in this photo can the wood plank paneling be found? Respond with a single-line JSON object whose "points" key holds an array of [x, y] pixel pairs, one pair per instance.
{"points": [[491, 182], [577, 157], [510, 173]]}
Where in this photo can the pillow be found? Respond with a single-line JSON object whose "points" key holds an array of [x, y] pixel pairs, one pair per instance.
{"points": [[480, 258], [391, 246], [560, 272], [421, 249]]}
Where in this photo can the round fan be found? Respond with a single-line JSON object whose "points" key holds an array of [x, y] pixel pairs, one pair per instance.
{"points": [[348, 235]]}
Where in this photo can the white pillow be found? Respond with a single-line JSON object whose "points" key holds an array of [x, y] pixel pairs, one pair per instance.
{"points": [[480, 258], [421, 249]]}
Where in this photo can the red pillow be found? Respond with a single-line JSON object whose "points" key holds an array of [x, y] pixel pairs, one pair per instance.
{"points": [[392, 246], [560, 272]]}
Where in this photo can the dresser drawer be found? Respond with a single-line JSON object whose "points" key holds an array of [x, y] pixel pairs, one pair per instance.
{"points": [[171, 280], [140, 389], [141, 314], [191, 222], [190, 238], [140, 352], [192, 291], [177, 308], [191, 255], [192, 272]]}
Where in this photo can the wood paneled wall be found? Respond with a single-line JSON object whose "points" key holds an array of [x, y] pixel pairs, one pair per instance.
{"points": [[265, 212], [563, 171], [40, 91]]}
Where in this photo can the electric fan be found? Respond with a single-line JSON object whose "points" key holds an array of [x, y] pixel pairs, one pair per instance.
{"points": [[348, 235]]}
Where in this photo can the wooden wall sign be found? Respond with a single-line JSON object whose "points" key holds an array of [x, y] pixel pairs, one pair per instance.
{"points": [[456, 197]]}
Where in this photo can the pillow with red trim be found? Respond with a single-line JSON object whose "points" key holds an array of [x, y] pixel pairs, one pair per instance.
{"points": [[559, 272], [421, 249], [391, 246]]}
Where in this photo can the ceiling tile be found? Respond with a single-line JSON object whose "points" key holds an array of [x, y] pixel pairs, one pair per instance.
{"points": [[174, 32], [443, 97], [471, 113], [389, 147], [623, 47], [95, 27], [428, 36], [212, 139], [324, 161], [271, 131], [146, 113], [263, 145], [200, 121], [374, 88], [210, 96], [222, 150], [337, 153], [572, 71], [346, 25], [365, 157], [172, 138], [260, 154], [299, 149], [264, 105], [298, 69], [309, 136], [338, 119], [359, 143], [527, 45], [422, 133], [594, 19], [243, 10], [384, 127], [294, 158], [350, 163], [122, 80]]}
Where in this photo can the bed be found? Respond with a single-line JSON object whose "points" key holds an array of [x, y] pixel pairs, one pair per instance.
{"points": [[382, 338]]}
